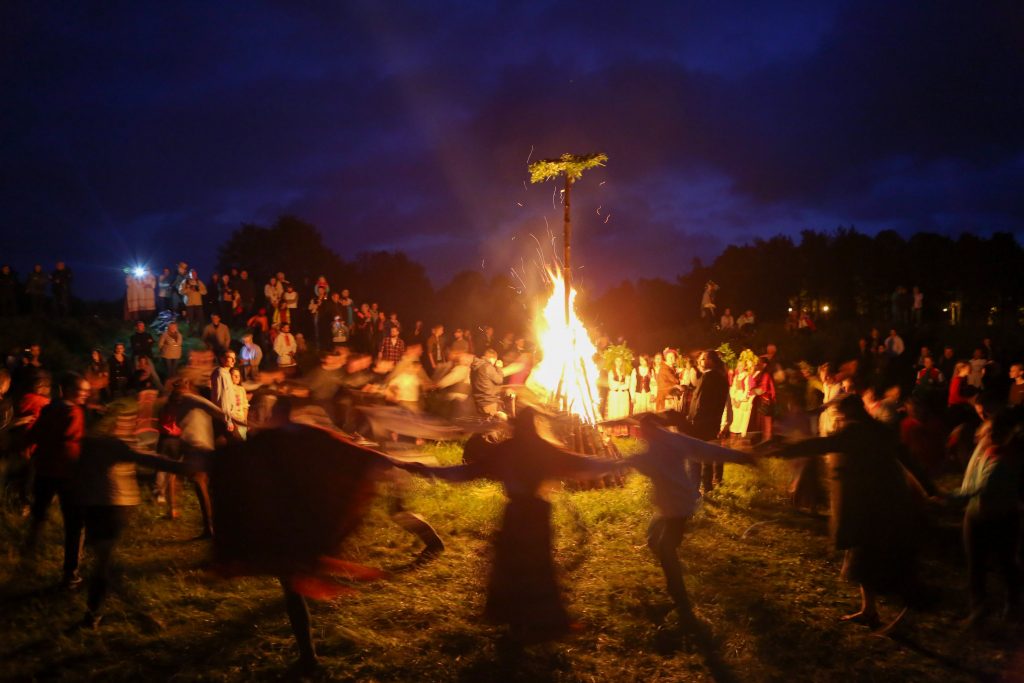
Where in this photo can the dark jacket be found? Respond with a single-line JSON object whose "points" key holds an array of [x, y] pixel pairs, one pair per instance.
{"points": [[706, 405]]}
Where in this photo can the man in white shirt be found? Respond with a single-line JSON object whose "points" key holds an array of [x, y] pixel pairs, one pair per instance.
{"points": [[222, 388], [285, 347]]}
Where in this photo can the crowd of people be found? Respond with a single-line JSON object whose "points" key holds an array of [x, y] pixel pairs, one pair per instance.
{"points": [[208, 365]]}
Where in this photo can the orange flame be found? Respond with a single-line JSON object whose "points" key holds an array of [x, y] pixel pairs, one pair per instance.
{"points": [[566, 374]]}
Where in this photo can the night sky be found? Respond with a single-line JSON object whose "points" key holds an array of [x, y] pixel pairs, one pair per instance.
{"points": [[149, 131]]}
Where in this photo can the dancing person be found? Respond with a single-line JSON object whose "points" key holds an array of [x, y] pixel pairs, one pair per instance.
{"points": [[675, 497], [106, 491], [522, 590], [194, 416], [57, 437], [991, 523], [873, 516]]}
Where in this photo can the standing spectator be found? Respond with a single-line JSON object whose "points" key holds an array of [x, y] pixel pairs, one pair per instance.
{"points": [[763, 388], [705, 414], [97, 374], [459, 343], [141, 342], [194, 292], [272, 292], [917, 307], [259, 327], [392, 321], [1016, 398], [222, 391], [35, 290], [164, 283], [745, 323], [213, 293], [57, 436], [707, 303], [8, 292], [250, 356], [120, 372], [667, 380], [437, 354], [226, 297], [139, 296], [727, 322], [170, 346], [642, 387], [947, 363], [246, 292], [239, 405], [348, 305], [285, 347], [60, 284], [617, 405], [318, 306], [978, 363], [177, 287], [216, 335], [290, 298], [894, 346], [929, 381], [392, 348]]}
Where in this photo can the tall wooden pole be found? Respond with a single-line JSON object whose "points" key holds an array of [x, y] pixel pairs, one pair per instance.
{"points": [[566, 264]]}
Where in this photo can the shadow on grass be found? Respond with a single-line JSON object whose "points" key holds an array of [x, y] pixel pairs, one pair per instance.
{"points": [[699, 639], [511, 661]]}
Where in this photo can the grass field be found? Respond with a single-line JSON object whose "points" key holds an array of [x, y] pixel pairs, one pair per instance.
{"points": [[764, 576]]}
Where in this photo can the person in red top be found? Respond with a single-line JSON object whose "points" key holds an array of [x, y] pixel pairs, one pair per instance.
{"points": [[57, 436], [763, 387]]}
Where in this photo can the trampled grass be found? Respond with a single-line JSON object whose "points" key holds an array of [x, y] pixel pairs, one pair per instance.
{"points": [[763, 575]]}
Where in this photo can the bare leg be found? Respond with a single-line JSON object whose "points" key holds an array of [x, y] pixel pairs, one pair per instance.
{"points": [[298, 615], [868, 613]]}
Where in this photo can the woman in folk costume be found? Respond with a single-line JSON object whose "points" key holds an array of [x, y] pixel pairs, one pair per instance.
{"points": [[618, 392], [523, 591], [642, 387], [741, 396]]}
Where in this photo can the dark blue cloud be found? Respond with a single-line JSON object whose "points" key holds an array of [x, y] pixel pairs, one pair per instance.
{"points": [[151, 130]]}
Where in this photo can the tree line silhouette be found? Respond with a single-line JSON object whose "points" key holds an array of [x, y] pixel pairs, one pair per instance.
{"points": [[852, 273]]}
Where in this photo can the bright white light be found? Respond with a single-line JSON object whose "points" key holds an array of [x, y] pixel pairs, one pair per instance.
{"points": [[790, 309], [139, 271], [825, 308]]}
